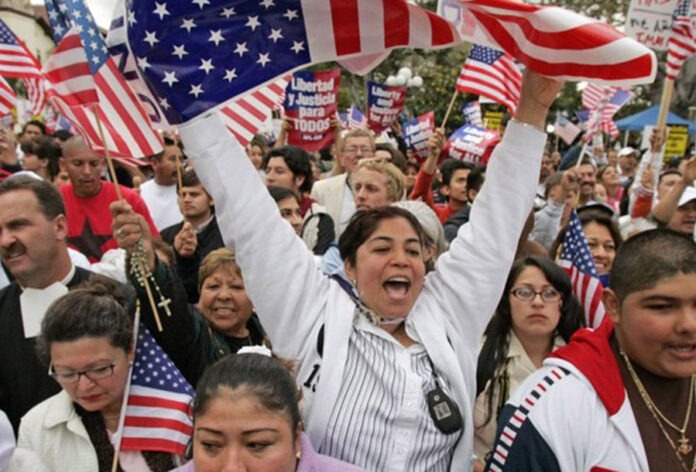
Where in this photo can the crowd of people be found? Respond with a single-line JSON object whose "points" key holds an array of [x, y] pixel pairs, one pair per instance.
{"points": [[353, 309]]}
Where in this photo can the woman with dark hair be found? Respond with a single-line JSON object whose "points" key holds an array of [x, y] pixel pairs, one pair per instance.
{"points": [[246, 417], [603, 237], [87, 341], [387, 364], [536, 314]]}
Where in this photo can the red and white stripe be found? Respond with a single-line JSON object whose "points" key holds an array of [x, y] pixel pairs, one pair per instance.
{"points": [[8, 99], [37, 94], [361, 28], [680, 46], [588, 291], [560, 43], [245, 116], [156, 420]]}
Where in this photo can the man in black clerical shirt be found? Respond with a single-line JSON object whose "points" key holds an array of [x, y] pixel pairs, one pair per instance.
{"points": [[33, 231]]}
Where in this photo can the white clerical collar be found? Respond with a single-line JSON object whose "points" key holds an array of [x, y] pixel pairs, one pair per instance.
{"points": [[34, 302]]}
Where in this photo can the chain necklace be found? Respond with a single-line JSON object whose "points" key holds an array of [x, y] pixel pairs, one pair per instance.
{"points": [[684, 447]]}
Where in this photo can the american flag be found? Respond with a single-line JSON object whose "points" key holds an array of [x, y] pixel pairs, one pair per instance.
{"points": [[576, 259], [356, 119], [87, 88], [17, 61], [492, 74], [566, 129], [195, 56], [157, 407], [682, 42], [557, 42], [7, 97], [603, 103], [15, 58]]}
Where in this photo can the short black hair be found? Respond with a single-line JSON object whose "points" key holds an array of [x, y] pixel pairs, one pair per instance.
{"points": [[297, 160], [475, 179], [450, 166], [189, 179], [44, 148], [49, 197], [645, 259], [62, 134], [37, 123], [281, 193]]}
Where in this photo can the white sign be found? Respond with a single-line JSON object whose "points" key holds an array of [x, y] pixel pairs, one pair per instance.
{"points": [[649, 22]]}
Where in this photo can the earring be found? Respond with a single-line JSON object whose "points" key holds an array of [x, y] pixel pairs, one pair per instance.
{"points": [[298, 455]]}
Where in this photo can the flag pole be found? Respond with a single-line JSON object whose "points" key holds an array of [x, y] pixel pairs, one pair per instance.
{"points": [[667, 89], [126, 392], [449, 108], [109, 161], [142, 268]]}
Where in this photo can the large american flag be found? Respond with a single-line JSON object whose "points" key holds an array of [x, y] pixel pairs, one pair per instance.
{"points": [[576, 259], [556, 42], [682, 41], [195, 56], [7, 97], [157, 408], [87, 88], [492, 74]]}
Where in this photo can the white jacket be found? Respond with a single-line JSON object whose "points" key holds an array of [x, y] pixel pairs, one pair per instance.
{"points": [[294, 300], [54, 431]]}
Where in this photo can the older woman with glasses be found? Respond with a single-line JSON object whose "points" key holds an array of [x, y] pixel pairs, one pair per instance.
{"points": [[536, 314], [87, 340]]}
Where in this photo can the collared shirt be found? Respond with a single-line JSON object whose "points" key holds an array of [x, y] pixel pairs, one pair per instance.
{"points": [[381, 421], [348, 208]]}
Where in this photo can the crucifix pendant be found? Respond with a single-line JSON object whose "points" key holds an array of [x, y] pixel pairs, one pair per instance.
{"points": [[164, 303], [684, 446]]}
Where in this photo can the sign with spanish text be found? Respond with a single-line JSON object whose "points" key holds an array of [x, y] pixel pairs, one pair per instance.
{"points": [[417, 131], [310, 102], [471, 144], [384, 103]]}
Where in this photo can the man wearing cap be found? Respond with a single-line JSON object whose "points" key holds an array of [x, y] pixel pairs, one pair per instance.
{"points": [[677, 210], [628, 161]]}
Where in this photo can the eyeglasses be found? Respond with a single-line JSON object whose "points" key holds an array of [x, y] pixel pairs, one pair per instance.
{"points": [[94, 374], [526, 294], [355, 149]]}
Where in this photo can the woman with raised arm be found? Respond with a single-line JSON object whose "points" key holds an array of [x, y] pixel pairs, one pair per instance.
{"points": [[387, 366]]}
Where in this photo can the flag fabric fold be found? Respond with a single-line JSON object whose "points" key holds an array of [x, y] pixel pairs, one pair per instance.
{"points": [[556, 42], [492, 74], [17, 61], [86, 86], [682, 41], [576, 259], [195, 56], [603, 102]]}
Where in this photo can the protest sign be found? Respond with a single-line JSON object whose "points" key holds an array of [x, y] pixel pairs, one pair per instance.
{"points": [[492, 119], [417, 131], [384, 103], [471, 144], [649, 22], [310, 103], [675, 144]]}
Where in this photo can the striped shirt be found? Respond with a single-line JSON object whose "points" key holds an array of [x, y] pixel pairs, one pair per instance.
{"points": [[381, 420]]}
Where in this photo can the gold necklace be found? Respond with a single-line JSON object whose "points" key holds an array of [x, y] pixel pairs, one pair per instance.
{"points": [[684, 442]]}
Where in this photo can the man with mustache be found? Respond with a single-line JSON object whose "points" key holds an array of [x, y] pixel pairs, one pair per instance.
{"points": [[33, 248]]}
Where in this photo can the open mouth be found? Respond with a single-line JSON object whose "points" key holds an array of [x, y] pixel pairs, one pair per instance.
{"points": [[397, 287], [685, 351]]}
